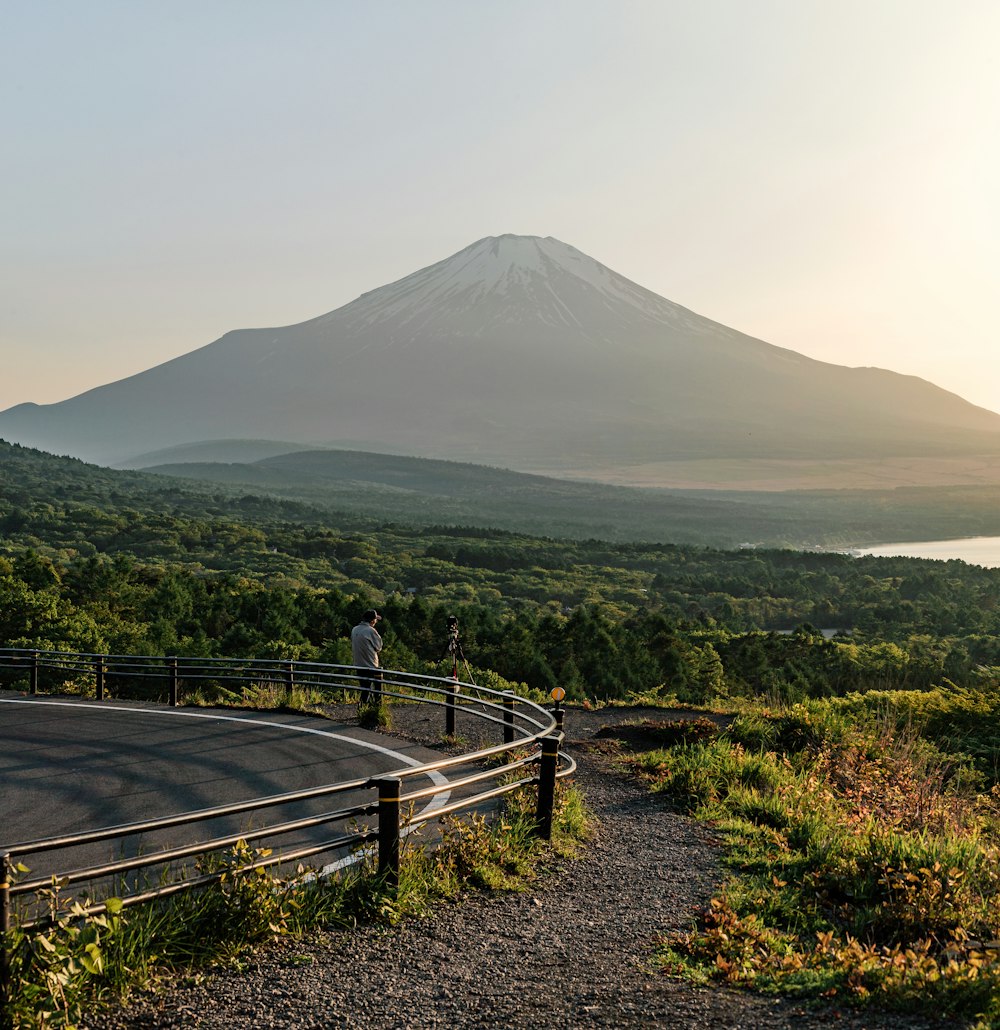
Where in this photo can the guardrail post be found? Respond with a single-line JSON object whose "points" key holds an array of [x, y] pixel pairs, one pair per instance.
{"points": [[559, 714], [509, 700], [99, 671], [34, 673], [5, 878], [388, 829], [290, 678], [547, 787], [172, 663], [449, 709]]}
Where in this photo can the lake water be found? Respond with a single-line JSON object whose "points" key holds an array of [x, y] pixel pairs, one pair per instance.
{"points": [[978, 550]]}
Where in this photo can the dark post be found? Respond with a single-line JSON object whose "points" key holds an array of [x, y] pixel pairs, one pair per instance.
{"points": [[34, 672], [509, 699], [99, 673], [449, 709], [547, 787], [5, 874], [172, 662], [557, 712], [388, 829]]}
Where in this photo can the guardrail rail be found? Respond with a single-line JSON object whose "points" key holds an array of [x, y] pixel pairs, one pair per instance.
{"points": [[527, 755]]}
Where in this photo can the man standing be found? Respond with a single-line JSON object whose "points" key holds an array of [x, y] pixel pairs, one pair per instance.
{"points": [[365, 646]]}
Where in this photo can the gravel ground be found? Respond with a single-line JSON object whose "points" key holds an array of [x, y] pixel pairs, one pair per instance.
{"points": [[574, 951]]}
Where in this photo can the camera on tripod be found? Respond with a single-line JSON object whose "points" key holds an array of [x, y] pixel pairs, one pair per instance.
{"points": [[452, 624], [452, 646], [454, 649]]}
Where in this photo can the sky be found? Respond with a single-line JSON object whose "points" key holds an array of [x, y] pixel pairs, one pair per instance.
{"points": [[821, 174]]}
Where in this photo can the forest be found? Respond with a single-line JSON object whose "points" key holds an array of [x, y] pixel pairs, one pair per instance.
{"points": [[417, 491], [113, 562]]}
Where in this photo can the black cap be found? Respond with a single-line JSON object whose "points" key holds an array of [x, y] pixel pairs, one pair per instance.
{"points": [[371, 616]]}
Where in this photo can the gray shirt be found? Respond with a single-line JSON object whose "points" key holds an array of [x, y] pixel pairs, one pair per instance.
{"points": [[365, 645]]}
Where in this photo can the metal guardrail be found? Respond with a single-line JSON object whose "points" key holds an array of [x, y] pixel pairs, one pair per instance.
{"points": [[523, 723]]}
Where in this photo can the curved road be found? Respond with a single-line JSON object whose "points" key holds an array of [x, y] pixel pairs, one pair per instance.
{"points": [[68, 765]]}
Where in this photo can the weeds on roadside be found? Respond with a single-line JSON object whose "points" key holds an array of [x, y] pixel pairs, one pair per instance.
{"points": [[268, 694], [79, 964], [476, 854], [502, 853], [81, 961], [374, 714], [867, 864]]}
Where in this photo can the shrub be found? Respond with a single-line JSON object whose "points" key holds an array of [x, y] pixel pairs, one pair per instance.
{"points": [[866, 864]]}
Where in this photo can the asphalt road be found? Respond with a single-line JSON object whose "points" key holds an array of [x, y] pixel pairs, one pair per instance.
{"points": [[69, 765]]}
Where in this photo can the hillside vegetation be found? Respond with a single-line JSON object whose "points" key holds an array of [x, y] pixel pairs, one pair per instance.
{"points": [[863, 853], [856, 788], [96, 561], [421, 491]]}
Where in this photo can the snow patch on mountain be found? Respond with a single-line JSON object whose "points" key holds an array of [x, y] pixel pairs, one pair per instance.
{"points": [[508, 280]]}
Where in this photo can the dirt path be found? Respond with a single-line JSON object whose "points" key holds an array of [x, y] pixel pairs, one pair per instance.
{"points": [[576, 950]]}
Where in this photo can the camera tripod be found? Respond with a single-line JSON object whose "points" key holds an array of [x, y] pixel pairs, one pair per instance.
{"points": [[454, 648]]}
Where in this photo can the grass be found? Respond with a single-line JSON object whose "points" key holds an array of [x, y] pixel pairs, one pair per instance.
{"points": [[79, 966], [374, 714], [866, 862]]}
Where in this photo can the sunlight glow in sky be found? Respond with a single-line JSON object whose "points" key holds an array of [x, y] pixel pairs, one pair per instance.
{"points": [[820, 175]]}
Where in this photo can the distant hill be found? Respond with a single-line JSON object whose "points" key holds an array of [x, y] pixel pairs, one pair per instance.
{"points": [[356, 491], [422, 492], [522, 352], [241, 451]]}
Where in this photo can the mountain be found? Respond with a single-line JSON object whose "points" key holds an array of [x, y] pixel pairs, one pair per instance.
{"points": [[518, 351]]}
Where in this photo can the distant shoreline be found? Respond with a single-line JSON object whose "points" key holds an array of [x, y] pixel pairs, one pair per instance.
{"points": [[976, 550]]}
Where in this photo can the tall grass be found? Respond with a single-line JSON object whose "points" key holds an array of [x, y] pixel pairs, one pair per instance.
{"points": [[866, 860]]}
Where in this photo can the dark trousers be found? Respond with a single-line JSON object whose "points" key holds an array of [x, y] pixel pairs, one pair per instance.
{"points": [[371, 689]]}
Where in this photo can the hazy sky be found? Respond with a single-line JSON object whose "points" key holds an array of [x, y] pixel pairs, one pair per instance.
{"points": [[823, 174]]}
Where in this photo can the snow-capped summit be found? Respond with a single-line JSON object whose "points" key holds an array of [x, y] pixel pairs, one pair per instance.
{"points": [[519, 351], [514, 278]]}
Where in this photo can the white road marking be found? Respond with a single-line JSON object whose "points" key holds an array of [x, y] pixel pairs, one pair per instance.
{"points": [[437, 801]]}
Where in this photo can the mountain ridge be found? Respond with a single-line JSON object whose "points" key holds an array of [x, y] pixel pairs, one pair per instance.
{"points": [[518, 351], [368, 491]]}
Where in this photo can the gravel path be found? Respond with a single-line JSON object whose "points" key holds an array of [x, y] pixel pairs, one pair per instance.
{"points": [[574, 951]]}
